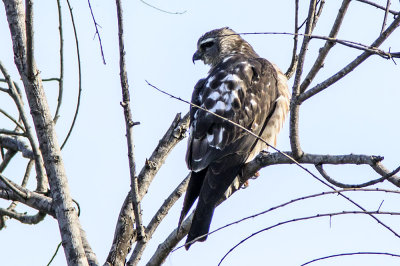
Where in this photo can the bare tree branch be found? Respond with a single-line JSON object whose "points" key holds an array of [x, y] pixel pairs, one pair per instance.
{"points": [[23, 184], [378, 6], [385, 17], [34, 200], [129, 126], [351, 254], [78, 103], [96, 25], [63, 205], [325, 193], [11, 186], [293, 64], [6, 158], [323, 52], [16, 144], [156, 220], [165, 248], [351, 66], [321, 215], [61, 78], [162, 10], [366, 184], [175, 133], [23, 218], [12, 119], [380, 169], [294, 107], [42, 182], [124, 232]]}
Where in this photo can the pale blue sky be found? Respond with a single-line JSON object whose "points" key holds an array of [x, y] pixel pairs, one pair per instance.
{"points": [[359, 114]]}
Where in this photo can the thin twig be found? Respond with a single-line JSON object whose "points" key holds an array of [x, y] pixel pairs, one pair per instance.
{"points": [[13, 120], [141, 235], [378, 6], [325, 193], [350, 254], [96, 25], [356, 45], [51, 79], [54, 254], [320, 4], [162, 10], [321, 170], [385, 16], [61, 78], [321, 215], [323, 52], [79, 77], [293, 64], [351, 66]]}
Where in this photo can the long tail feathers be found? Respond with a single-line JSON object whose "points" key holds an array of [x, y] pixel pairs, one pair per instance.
{"points": [[214, 182], [192, 192], [200, 224]]}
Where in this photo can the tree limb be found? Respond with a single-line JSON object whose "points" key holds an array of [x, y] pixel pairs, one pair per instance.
{"points": [[124, 234], [129, 126], [63, 206], [351, 66]]}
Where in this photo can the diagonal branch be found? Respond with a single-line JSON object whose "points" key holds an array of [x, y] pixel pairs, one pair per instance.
{"points": [[16, 96], [124, 234], [378, 6], [156, 220], [320, 215], [323, 52], [351, 66]]}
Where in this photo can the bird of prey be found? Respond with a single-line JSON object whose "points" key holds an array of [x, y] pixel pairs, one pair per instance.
{"points": [[244, 88]]}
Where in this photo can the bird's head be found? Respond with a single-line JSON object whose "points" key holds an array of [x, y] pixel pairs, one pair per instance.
{"points": [[218, 44]]}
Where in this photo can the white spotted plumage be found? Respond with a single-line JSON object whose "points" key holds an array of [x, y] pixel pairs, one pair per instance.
{"points": [[245, 89]]}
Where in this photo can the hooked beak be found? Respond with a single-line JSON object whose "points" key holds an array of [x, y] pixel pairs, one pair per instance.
{"points": [[196, 56]]}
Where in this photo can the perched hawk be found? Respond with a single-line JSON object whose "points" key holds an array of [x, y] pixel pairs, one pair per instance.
{"points": [[244, 88]]}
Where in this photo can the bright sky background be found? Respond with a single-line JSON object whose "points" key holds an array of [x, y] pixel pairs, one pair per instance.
{"points": [[359, 114]]}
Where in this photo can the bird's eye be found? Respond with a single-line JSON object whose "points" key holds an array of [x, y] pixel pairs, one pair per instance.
{"points": [[206, 45]]}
